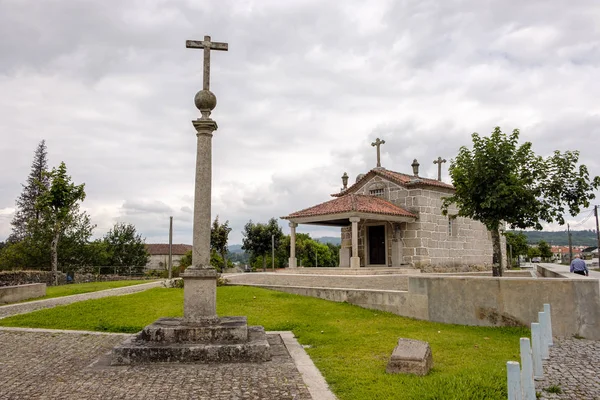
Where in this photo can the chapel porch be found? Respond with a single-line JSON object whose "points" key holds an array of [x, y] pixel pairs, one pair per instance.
{"points": [[370, 226]]}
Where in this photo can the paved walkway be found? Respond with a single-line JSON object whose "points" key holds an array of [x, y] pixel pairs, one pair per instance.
{"points": [[22, 308], [75, 365], [574, 367]]}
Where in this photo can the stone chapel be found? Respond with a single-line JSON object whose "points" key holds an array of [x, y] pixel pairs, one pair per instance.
{"points": [[392, 219]]}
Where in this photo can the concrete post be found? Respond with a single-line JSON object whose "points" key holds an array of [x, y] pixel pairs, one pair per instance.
{"points": [[538, 370], [543, 335], [527, 383], [292, 261], [354, 260], [549, 318], [514, 380]]}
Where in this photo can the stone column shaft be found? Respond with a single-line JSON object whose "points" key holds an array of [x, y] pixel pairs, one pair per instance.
{"points": [[292, 260], [354, 260], [200, 288]]}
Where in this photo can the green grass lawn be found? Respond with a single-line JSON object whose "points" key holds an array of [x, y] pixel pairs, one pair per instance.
{"points": [[350, 345], [79, 288]]}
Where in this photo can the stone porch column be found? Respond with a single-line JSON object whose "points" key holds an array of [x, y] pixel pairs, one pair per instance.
{"points": [[355, 259], [293, 263]]}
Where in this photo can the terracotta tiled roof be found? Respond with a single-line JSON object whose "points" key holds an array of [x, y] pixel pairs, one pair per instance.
{"points": [[396, 177], [159, 249], [353, 202]]}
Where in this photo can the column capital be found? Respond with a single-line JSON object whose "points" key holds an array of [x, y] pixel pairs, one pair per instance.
{"points": [[293, 224], [354, 219], [204, 126]]}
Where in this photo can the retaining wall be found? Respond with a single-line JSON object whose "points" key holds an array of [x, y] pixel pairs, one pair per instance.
{"points": [[11, 294], [377, 282], [482, 301]]}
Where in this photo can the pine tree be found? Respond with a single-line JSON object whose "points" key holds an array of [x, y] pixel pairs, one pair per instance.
{"points": [[27, 216]]}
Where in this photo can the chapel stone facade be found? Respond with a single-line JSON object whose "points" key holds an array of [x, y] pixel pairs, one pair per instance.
{"points": [[396, 221]]}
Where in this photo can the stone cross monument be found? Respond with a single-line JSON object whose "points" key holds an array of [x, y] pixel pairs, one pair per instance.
{"points": [[439, 162], [200, 289], [378, 143], [200, 336]]}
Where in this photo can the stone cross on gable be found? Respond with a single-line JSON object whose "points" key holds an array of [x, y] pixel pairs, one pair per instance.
{"points": [[378, 143], [207, 45], [439, 162]]}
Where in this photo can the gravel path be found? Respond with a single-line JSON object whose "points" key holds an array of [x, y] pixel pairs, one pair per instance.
{"points": [[574, 367], [22, 308]]}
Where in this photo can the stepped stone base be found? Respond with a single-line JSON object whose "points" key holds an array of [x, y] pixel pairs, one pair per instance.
{"points": [[224, 340]]}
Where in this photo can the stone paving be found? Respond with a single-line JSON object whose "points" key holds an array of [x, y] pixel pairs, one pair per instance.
{"points": [[51, 365], [22, 308], [574, 367]]}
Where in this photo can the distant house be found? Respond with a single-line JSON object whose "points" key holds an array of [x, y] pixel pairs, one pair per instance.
{"points": [[159, 255]]}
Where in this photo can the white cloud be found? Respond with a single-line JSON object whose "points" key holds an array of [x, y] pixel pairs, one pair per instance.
{"points": [[304, 89]]}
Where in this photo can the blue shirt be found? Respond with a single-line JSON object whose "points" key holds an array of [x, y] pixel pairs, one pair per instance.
{"points": [[578, 265]]}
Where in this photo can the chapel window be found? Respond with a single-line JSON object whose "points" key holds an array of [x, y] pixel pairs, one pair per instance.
{"points": [[377, 192]]}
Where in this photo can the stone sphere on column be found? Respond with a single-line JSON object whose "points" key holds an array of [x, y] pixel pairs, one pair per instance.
{"points": [[205, 100]]}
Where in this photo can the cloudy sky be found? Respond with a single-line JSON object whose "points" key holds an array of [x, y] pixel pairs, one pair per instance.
{"points": [[304, 89]]}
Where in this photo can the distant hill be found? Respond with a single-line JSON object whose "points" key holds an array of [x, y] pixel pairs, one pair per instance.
{"points": [[235, 248], [579, 238], [329, 239]]}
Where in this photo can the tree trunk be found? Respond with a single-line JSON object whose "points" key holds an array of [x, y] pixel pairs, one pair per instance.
{"points": [[54, 254], [497, 253], [264, 263]]}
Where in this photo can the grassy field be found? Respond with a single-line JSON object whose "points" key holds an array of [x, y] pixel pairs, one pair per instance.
{"points": [[349, 344], [79, 288]]}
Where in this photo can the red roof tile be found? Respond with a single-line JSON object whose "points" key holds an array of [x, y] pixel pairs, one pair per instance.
{"points": [[353, 202], [396, 177], [159, 249]]}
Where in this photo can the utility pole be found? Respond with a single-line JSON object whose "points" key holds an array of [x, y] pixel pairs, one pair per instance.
{"points": [[570, 245], [170, 247], [316, 259], [597, 233], [273, 252]]}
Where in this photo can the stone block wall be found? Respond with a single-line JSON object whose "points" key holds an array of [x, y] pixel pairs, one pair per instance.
{"points": [[13, 278]]}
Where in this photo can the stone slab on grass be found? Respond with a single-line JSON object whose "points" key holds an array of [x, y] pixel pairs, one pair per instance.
{"points": [[410, 357]]}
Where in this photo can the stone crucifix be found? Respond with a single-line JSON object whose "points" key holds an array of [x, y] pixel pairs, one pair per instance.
{"points": [[439, 162], [207, 45], [378, 143]]}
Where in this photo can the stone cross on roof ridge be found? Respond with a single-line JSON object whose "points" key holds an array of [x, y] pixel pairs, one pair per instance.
{"points": [[207, 45], [439, 162], [378, 143]]}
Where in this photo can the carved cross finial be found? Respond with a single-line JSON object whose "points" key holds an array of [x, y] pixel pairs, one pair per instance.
{"points": [[439, 162], [207, 45], [378, 143]]}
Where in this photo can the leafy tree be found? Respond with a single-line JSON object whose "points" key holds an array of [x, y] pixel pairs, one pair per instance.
{"points": [[219, 234], [545, 250], [125, 247], [186, 260], [532, 252], [498, 180], [257, 239], [517, 241], [38, 182], [57, 208]]}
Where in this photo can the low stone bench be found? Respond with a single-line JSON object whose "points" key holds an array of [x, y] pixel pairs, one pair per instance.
{"points": [[410, 357], [12, 294]]}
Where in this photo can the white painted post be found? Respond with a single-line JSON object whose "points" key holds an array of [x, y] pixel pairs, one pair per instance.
{"points": [[549, 316], [514, 380], [527, 383], [543, 335], [538, 370]]}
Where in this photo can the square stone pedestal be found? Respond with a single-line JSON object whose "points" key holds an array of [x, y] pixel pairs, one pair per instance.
{"points": [[410, 357], [220, 340]]}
